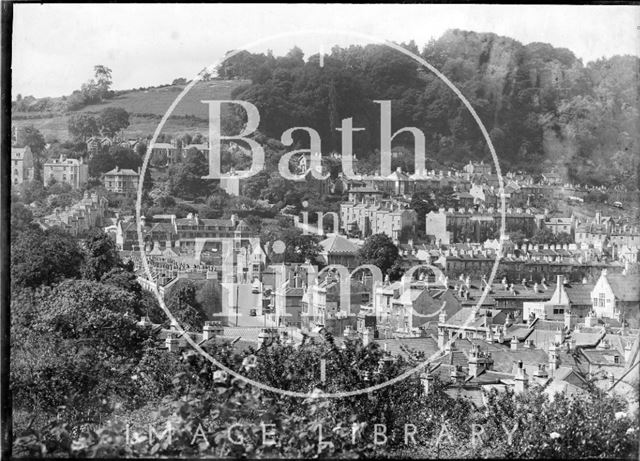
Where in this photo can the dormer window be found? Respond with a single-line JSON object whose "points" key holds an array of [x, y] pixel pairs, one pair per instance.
{"points": [[616, 359]]}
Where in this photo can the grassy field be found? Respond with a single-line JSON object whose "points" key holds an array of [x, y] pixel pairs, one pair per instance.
{"points": [[146, 108]]}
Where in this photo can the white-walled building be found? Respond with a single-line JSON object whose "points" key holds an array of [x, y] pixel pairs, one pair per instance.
{"points": [[616, 296], [21, 165], [72, 171]]}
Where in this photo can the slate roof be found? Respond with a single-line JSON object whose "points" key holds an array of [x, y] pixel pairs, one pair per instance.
{"points": [[604, 357], [579, 294], [625, 287], [409, 347], [620, 342], [491, 377], [504, 359], [520, 330], [121, 172], [463, 316], [455, 357], [337, 244], [588, 336]]}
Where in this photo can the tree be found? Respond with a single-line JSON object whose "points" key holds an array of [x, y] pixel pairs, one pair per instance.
{"points": [[186, 177], [101, 255], [141, 149], [44, 257], [125, 157], [183, 304], [21, 218], [563, 238], [544, 236], [112, 120], [77, 350], [124, 279], [103, 79], [100, 163], [32, 137], [380, 251], [82, 126], [32, 191], [298, 247], [518, 237], [423, 204]]}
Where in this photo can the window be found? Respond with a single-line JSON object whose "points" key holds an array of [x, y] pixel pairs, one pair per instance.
{"points": [[558, 311], [601, 297], [616, 359]]}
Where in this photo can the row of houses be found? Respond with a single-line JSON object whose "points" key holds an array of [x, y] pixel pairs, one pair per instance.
{"points": [[77, 219], [192, 234], [403, 307]]}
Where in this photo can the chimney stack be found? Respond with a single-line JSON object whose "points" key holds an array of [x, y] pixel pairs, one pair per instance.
{"points": [[443, 337], [521, 379], [554, 360], [172, 343]]}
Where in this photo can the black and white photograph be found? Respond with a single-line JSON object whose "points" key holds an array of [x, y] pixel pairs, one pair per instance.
{"points": [[292, 231]]}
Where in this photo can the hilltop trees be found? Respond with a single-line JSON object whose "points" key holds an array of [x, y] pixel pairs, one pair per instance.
{"points": [[93, 91], [103, 79], [109, 122], [577, 121]]}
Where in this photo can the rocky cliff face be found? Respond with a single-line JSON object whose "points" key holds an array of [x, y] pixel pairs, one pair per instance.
{"points": [[550, 107]]}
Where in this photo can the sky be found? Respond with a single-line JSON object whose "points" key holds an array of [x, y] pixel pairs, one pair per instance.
{"points": [[55, 46]]}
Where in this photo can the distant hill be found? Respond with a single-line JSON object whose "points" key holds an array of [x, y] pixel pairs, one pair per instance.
{"points": [[542, 106], [145, 106]]}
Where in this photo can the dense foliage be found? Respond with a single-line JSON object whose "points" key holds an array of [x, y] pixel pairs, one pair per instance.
{"points": [[540, 104]]}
